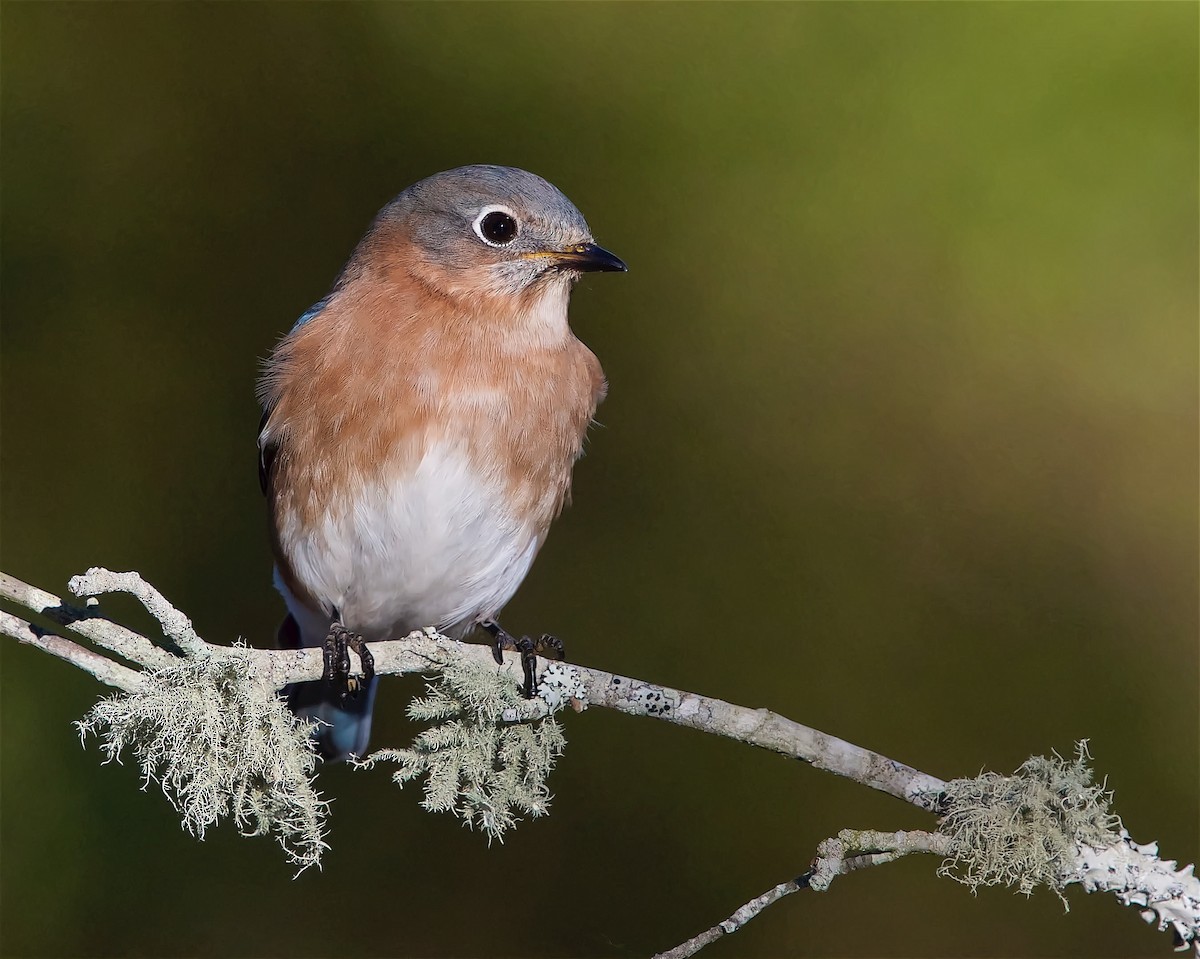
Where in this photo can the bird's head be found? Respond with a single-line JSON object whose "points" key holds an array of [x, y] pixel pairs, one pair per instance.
{"points": [[493, 230]]}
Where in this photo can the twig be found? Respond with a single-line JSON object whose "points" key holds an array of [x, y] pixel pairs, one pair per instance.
{"points": [[735, 922], [1168, 896], [86, 623], [851, 849], [175, 625], [103, 668]]}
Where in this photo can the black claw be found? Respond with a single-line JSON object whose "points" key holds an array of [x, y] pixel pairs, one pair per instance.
{"points": [[337, 648], [529, 665], [366, 660], [327, 653], [528, 648], [500, 639], [551, 644]]}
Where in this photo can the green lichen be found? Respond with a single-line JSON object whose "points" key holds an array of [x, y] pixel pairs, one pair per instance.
{"points": [[485, 771], [1024, 830], [220, 745]]}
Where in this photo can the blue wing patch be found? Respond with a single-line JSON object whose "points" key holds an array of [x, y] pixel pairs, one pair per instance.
{"points": [[312, 311]]}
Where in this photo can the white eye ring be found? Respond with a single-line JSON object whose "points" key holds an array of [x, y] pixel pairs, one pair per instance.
{"points": [[487, 211]]}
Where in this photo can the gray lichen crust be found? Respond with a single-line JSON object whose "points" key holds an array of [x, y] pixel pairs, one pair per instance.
{"points": [[1025, 830], [484, 770], [220, 744]]}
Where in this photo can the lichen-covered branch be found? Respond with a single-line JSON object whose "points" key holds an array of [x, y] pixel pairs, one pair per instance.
{"points": [[853, 849], [278, 668], [209, 726], [987, 842], [1167, 896], [1047, 825]]}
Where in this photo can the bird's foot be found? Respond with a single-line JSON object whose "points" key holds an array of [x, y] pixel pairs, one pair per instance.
{"points": [[337, 648], [529, 649]]}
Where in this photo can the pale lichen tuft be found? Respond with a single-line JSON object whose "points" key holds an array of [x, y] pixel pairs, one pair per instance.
{"points": [[220, 744], [478, 767], [1024, 830]]}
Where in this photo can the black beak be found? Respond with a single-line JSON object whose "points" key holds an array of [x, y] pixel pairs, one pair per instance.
{"points": [[589, 258]]}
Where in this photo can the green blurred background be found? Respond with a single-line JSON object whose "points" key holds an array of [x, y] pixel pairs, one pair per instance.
{"points": [[901, 442]]}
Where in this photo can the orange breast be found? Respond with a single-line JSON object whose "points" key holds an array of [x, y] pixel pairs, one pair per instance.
{"points": [[390, 368]]}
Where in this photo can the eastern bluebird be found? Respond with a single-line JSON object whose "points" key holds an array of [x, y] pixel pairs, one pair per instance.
{"points": [[420, 426]]}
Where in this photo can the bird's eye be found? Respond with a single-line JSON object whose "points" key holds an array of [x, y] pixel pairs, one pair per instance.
{"points": [[497, 227]]}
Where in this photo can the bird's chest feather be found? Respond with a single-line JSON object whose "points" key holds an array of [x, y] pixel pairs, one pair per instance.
{"points": [[415, 487], [434, 542]]}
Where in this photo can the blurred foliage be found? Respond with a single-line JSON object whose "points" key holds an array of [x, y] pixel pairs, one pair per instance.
{"points": [[901, 441]]}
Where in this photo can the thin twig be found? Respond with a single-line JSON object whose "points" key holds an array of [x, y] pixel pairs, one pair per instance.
{"points": [[86, 623], [175, 625], [104, 669], [735, 922], [850, 850]]}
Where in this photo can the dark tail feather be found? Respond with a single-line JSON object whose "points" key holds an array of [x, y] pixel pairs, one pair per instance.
{"points": [[346, 726]]}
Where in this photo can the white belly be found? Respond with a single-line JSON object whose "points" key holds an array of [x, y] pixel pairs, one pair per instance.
{"points": [[436, 546]]}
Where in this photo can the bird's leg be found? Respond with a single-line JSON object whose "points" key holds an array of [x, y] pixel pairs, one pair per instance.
{"points": [[337, 660], [337, 646], [528, 648]]}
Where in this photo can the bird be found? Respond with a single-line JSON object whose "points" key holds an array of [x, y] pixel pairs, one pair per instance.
{"points": [[420, 427]]}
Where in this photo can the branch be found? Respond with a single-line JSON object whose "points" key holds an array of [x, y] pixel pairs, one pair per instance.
{"points": [[1046, 824], [416, 653]]}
